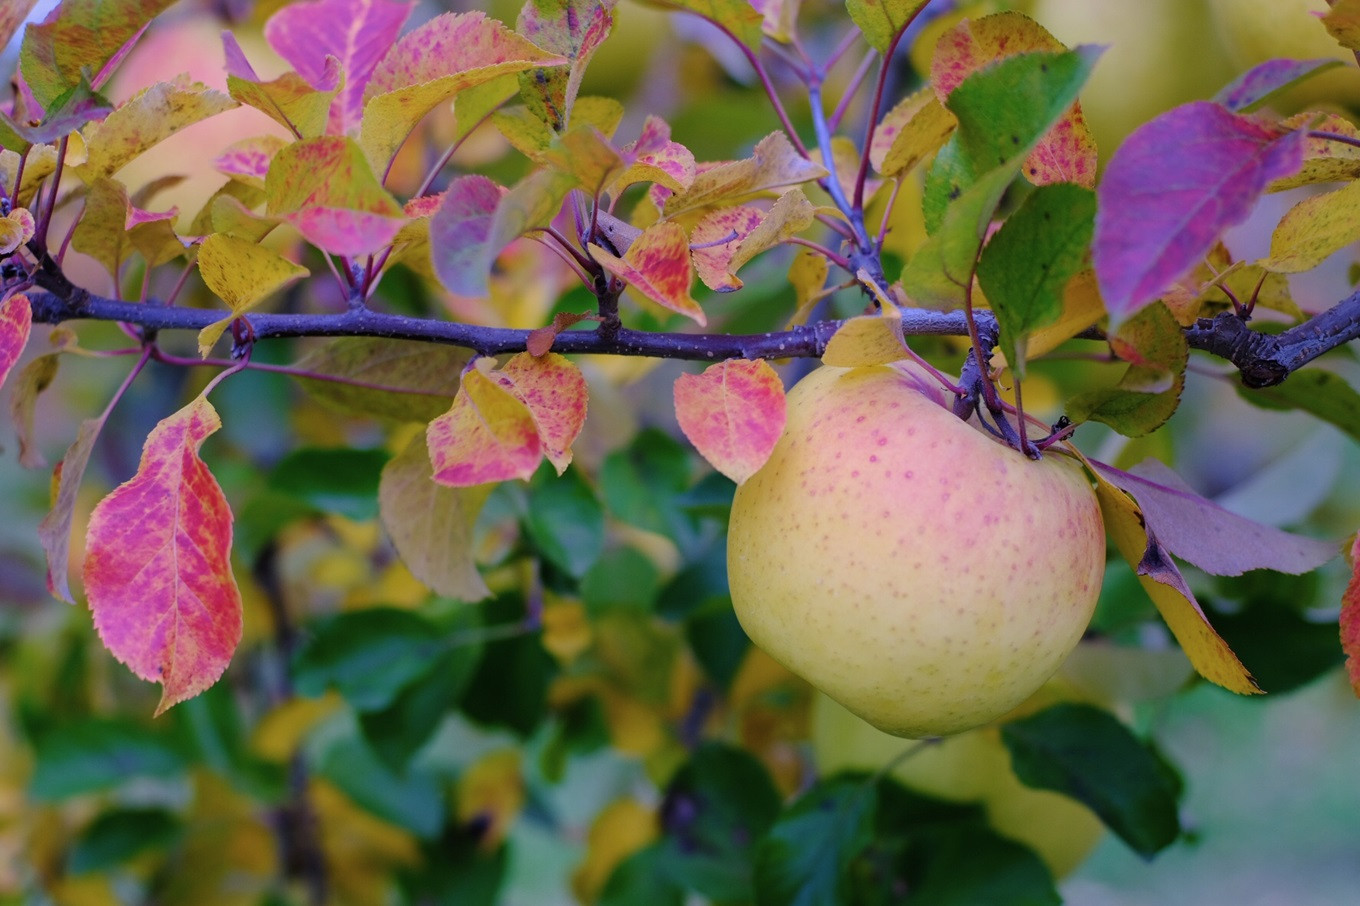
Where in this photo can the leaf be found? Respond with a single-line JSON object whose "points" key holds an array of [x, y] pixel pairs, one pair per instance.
{"points": [[13, 15], [143, 121], [1150, 389], [1025, 267], [459, 232], [1067, 152], [157, 563], [119, 835], [384, 378], [325, 188], [788, 216], [1342, 22], [80, 34], [804, 859], [540, 340], [241, 274], [555, 393], [33, 379], [773, 164], [1209, 654], [807, 275], [1086, 753], [867, 340], [431, 525], [570, 29], [368, 656], [101, 232], [54, 532], [94, 755], [290, 100], [654, 158], [16, 228], [1258, 85], [713, 262], [16, 322], [733, 413], [565, 520], [341, 480], [248, 160], [911, 132], [358, 33], [1350, 616], [1320, 393], [657, 267], [431, 64], [1324, 159], [72, 110], [1313, 230], [1212, 538], [881, 21], [487, 435], [1160, 212]]}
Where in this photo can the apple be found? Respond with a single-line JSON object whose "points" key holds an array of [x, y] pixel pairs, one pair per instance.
{"points": [[925, 575]]}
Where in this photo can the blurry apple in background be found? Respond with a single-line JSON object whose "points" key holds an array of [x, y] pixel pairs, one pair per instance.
{"points": [[1161, 53], [1259, 30]]}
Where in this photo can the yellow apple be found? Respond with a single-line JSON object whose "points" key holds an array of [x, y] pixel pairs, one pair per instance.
{"points": [[922, 573], [1258, 30]]}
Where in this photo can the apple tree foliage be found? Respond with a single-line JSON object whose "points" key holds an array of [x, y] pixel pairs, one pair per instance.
{"points": [[517, 620]]}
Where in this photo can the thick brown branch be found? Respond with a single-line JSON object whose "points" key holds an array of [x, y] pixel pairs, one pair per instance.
{"points": [[1267, 359]]}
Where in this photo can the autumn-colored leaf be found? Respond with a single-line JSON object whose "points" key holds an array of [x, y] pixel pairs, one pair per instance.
{"points": [[1342, 22], [910, 132], [384, 378], [541, 339], [102, 232], [144, 120], [80, 35], [32, 380], [571, 29], [774, 164], [157, 563], [717, 238], [1313, 230], [1150, 389], [1067, 153], [657, 266], [779, 18], [293, 102], [358, 33], [807, 276], [76, 107], [1172, 188], [882, 20], [1203, 533], [1209, 654], [1258, 85], [487, 435], [459, 233], [788, 216], [555, 393], [16, 322], [1324, 159], [1350, 616], [653, 157], [431, 64], [240, 273], [325, 188], [54, 532], [248, 160], [12, 15], [867, 340], [733, 413], [431, 525]]}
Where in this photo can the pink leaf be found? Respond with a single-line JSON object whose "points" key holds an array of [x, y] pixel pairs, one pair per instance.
{"points": [[718, 236], [325, 187], [1350, 616], [459, 231], [1172, 188], [157, 563], [16, 321], [554, 391], [1255, 86], [655, 158], [487, 435], [657, 266], [1205, 534], [356, 32], [733, 413]]}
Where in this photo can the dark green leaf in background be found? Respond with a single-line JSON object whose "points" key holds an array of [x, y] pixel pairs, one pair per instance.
{"points": [[1317, 392], [336, 480], [118, 835], [368, 656], [95, 755], [1086, 753], [804, 859], [565, 520], [641, 880], [510, 687], [413, 799], [624, 579]]}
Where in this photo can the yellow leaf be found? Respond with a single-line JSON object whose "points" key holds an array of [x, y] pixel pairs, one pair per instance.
{"points": [[807, 276], [146, 119], [789, 216], [911, 132], [621, 828], [491, 790], [1082, 307], [281, 731], [240, 273], [867, 340], [1314, 229], [566, 629]]}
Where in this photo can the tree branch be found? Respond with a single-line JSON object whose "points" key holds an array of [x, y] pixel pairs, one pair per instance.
{"points": [[1267, 359]]}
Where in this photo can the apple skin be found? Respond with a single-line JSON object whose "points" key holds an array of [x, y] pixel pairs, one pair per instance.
{"points": [[921, 573]]}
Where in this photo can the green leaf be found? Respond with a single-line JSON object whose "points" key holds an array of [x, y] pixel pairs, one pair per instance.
{"points": [[882, 20], [510, 688], [642, 482], [1086, 753], [1026, 266], [803, 860], [565, 519], [640, 880], [84, 35], [333, 480], [1270, 631], [736, 16], [118, 835], [427, 372], [716, 807], [368, 656], [413, 799], [96, 755], [622, 580], [456, 869], [1321, 393], [1150, 389]]}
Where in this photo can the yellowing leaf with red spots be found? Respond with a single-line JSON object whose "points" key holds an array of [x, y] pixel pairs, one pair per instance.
{"points": [[655, 158], [325, 188], [16, 228], [146, 119], [788, 216], [1324, 159], [716, 239], [431, 64], [657, 266], [733, 413], [157, 563], [240, 273], [488, 434], [1162, 581], [867, 340], [555, 393], [248, 160], [1350, 616], [911, 132], [300, 106], [431, 524], [774, 164], [1313, 230], [16, 322], [1068, 152]]}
